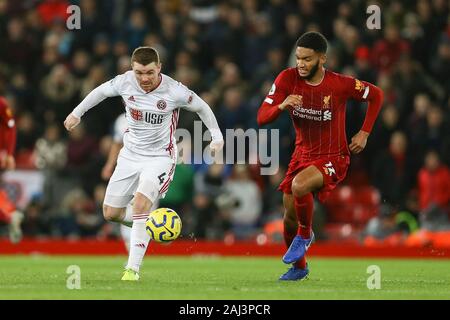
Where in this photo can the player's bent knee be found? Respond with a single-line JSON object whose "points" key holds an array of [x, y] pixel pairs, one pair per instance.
{"points": [[299, 188], [112, 214], [146, 194]]}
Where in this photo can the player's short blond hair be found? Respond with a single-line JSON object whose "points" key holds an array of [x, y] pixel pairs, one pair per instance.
{"points": [[145, 56]]}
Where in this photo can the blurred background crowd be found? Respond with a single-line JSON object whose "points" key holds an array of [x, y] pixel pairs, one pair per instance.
{"points": [[230, 52]]}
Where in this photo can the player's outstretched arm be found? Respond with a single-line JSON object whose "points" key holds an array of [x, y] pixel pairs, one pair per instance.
{"points": [[96, 96], [205, 113]]}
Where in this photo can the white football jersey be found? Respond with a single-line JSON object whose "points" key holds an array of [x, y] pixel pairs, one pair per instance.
{"points": [[152, 117]]}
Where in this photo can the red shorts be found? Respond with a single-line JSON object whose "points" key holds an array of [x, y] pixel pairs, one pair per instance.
{"points": [[333, 169]]}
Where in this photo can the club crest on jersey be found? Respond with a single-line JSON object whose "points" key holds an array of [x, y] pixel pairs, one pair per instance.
{"points": [[328, 169], [326, 102], [161, 104], [131, 98], [136, 114]]}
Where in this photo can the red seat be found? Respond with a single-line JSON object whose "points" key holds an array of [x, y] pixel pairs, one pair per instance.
{"points": [[352, 205]]}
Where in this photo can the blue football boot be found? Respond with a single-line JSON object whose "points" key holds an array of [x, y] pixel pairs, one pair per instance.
{"points": [[297, 249], [295, 274]]}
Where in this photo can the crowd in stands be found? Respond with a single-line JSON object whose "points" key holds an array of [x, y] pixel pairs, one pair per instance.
{"points": [[229, 52]]}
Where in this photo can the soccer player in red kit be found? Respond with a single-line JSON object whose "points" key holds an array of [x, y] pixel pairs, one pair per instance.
{"points": [[7, 137], [8, 212], [315, 99]]}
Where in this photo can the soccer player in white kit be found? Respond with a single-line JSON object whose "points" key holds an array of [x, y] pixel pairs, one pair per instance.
{"points": [[120, 127], [146, 163]]}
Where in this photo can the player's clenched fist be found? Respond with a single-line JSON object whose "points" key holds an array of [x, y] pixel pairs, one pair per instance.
{"points": [[290, 101], [216, 145], [359, 142], [71, 122]]}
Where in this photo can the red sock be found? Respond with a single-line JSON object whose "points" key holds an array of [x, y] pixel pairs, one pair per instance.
{"points": [[301, 263], [304, 209]]}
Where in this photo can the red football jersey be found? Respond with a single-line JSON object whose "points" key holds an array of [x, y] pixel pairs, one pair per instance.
{"points": [[319, 119], [7, 128]]}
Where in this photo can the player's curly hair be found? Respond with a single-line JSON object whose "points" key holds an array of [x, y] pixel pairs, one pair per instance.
{"points": [[313, 40], [145, 56]]}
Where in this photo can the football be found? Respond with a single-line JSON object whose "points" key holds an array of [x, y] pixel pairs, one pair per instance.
{"points": [[163, 225]]}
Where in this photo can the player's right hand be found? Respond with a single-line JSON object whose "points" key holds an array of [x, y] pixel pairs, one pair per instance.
{"points": [[71, 122], [291, 101], [107, 171]]}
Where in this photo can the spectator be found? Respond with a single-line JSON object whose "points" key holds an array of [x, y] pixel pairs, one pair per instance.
{"points": [[81, 150], [208, 186], [51, 157], [36, 222], [386, 52], [89, 215], [433, 182], [440, 65], [58, 91], [393, 171], [243, 204], [233, 113], [383, 225], [50, 150], [81, 63], [384, 129]]}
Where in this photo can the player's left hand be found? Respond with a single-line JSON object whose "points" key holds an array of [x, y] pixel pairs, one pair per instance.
{"points": [[216, 145], [359, 142]]}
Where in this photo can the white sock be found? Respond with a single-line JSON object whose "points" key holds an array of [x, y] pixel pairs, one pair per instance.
{"points": [[138, 243], [125, 232]]}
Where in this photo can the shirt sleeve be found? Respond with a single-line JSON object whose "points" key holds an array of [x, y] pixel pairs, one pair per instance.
{"points": [[364, 91], [279, 91], [120, 126], [184, 95], [108, 89], [190, 101], [356, 89]]}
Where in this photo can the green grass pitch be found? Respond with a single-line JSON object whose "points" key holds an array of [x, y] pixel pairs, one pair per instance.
{"points": [[212, 278]]}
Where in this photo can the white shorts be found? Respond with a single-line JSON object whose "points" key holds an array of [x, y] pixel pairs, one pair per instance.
{"points": [[149, 175]]}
